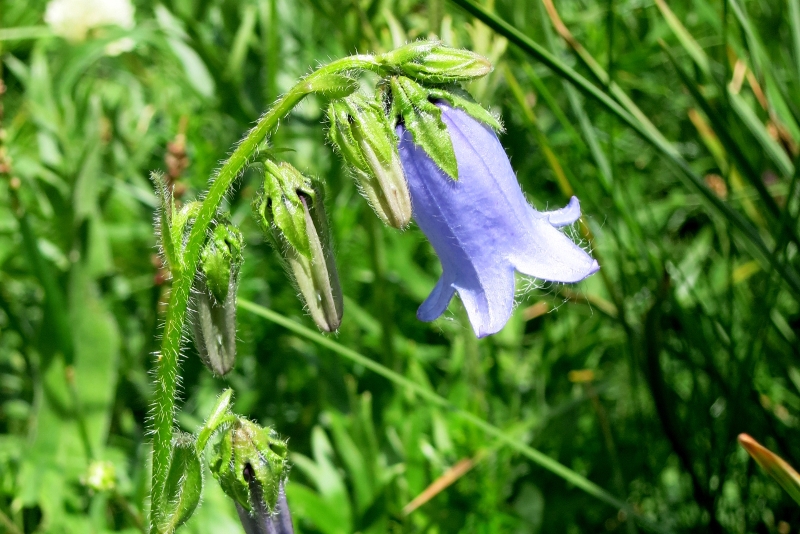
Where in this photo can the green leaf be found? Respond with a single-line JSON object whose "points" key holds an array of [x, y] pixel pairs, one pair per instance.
{"points": [[424, 120], [319, 511], [196, 70]]}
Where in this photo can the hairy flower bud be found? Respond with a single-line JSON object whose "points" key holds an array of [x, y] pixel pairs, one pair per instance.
{"points": [[434, 62], [214, 299], [291, 211], [361, 132], [250, 464]]}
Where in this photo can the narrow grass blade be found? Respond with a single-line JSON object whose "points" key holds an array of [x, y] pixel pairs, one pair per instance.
{"points": [[600, 74], [794, 22], [547, 96], [541, 139], [733, 148], [534, 455], [746, 115], [24, 32], [775, 466]]}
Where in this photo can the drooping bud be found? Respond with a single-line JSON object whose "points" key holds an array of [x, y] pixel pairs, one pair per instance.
{"points": [[363, 135], [214, 299], [434, 62], [249, 462], [291, 211]]}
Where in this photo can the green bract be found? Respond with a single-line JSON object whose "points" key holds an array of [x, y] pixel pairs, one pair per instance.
{"points": [[291, 211], [250, 463], [361, 132]]}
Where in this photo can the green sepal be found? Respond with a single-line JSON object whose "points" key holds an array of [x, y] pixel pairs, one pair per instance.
{"points": [[220, 416], [249, 462], [282, 182], [459, 98], [363, 135], [221, 258], [424, 120], [184, 484], [179, 224]]}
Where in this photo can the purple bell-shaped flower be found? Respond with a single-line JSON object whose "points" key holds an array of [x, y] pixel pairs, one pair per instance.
{"points": [[481, 226]]}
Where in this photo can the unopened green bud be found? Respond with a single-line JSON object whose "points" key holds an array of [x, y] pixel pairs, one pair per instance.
{"points": [[433, 62], [291, 211], [214, 299], [221, 259], [250, 464], [363, 135]]}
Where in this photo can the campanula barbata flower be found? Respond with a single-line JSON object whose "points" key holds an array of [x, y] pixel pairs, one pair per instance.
{"points": [[481, 226]]}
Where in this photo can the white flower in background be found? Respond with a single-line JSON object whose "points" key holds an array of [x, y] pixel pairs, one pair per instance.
{"points": [[72, 19]]}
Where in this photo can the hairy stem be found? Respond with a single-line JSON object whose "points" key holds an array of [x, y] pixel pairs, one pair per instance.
{"points": [[167, 365]]}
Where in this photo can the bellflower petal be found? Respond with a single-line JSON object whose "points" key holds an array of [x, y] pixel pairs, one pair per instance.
{"points": [[482, 228]]}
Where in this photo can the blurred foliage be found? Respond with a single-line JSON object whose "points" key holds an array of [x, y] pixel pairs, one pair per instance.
{"points": [[639, 379]]}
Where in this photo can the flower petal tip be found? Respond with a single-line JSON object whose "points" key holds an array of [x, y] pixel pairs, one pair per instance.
{"points": [[566, 215]]}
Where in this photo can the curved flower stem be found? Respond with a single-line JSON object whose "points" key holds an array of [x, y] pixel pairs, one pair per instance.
{"points": [[167, 365]]}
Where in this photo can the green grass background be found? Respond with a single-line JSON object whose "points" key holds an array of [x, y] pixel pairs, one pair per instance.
{"points": [[678, 128]]}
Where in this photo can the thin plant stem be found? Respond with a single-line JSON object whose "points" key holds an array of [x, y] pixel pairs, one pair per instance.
{"points": [[184, 271]]}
